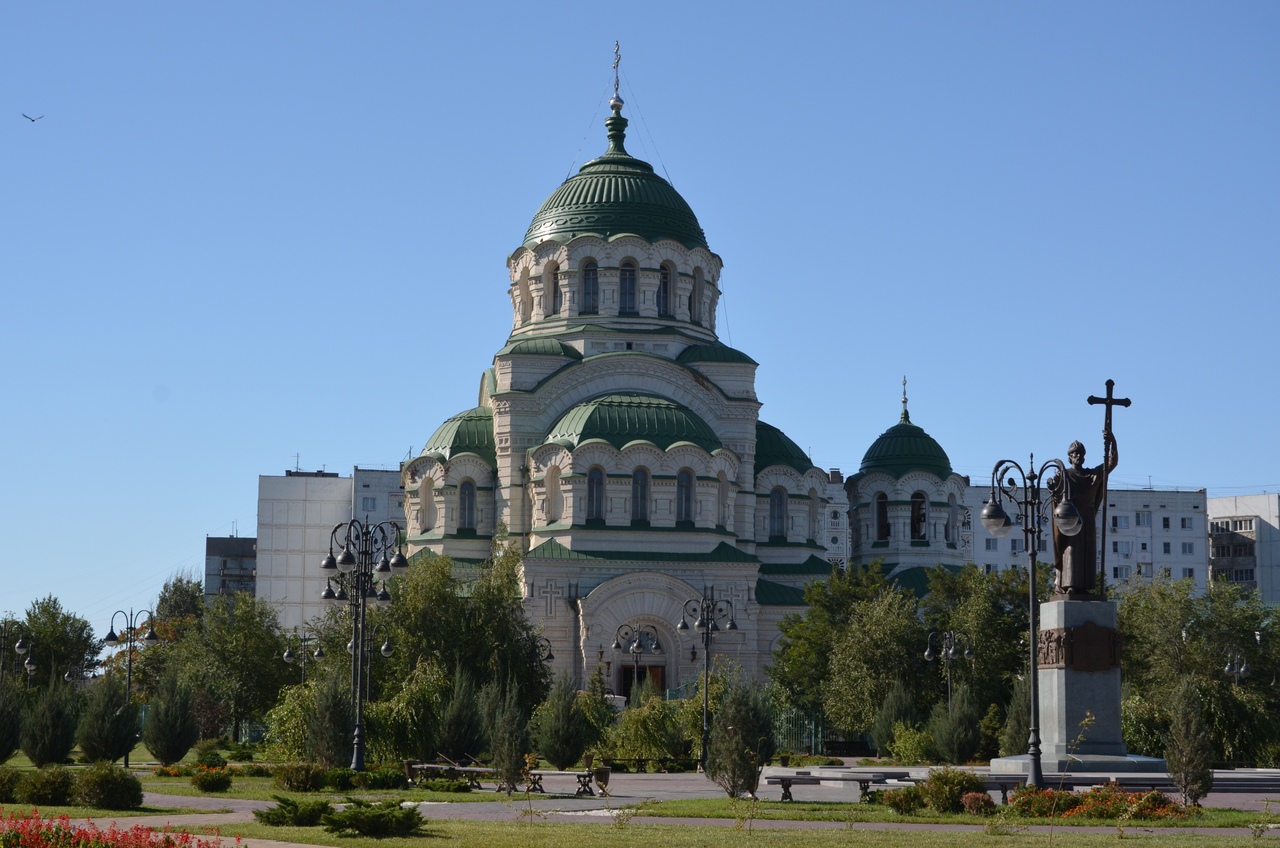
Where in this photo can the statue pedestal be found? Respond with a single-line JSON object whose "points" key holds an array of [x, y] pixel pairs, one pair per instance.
{"points": [[1079, 675]]}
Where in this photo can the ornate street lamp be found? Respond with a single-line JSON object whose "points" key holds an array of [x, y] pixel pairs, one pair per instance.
{"points": [[1031, 517], [707, 614], [21, 647], [636, 640], [1238, 664], [131, 619], [950, 644], [368, 553], [301, 657]]}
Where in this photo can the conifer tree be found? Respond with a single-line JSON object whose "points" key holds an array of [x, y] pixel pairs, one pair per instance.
{"points": [[171, 728], [49, 730], [109, 724]]}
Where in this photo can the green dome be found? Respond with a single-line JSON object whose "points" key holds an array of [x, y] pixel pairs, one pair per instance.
{"points": [[903, 448], [714, 353], [466, 432], [613, 195], [542, 346], [773, 447], [624, 418]]}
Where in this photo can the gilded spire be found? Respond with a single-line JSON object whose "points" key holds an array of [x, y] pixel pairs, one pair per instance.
{"points": [[906, 417]]}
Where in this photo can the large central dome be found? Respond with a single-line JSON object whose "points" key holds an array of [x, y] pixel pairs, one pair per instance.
{"points": [[615, 195]]}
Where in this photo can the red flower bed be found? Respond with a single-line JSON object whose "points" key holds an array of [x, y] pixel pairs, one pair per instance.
{"points": [[32, 831]]}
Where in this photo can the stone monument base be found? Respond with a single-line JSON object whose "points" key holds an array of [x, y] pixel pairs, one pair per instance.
{"points": [[1079, 692], [1081, 764]]}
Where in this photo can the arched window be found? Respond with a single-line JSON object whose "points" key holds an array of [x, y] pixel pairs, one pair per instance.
{"points": [[627, 287], [778, 513], [814, 512], [595, 495], [427, 497], [640, 495], [551, 285], [722, 502], [526, 302], [684, 495], [467, 506], [951, 531], [882, 517], [555, 500], [590, 289], [919, 516], [664, 291], [695, 297]]}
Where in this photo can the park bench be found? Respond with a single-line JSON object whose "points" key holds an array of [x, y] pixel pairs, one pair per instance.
{"points": [[865, 780], [471, 774], [583, 778]]}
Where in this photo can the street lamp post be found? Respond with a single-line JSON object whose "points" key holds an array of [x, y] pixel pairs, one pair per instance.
{"points": [[21, 647], [368, 554], [950, 644], [4, 643], [636, 640], [130, 638], [301, 656], [1030, 509], [1238, 664], [707, 613]]}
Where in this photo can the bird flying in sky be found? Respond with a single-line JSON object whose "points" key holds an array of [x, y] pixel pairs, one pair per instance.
{"points": [[29, 118]]}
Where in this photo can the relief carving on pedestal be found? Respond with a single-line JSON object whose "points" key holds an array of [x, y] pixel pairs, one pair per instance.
{"points": [[1085, 648]]}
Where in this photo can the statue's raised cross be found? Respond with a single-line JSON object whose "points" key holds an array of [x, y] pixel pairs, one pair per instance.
{"points": [[1110, 400], [617, 57]]}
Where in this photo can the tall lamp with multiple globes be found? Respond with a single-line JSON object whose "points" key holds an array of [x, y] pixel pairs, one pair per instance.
{"points": [[301, 657], [949, 642], [131, 620], [368, 553], [707, 613], [23, 647], [635, 640], [1030, 512]]}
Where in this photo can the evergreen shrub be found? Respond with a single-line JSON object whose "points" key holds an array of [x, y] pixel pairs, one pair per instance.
{"points": [[46, 787], [49, 731], [300, 776], [385, 818], [211, 759], [559, 728], [208, 779], [9, 778], [108, 726], [171, 727], [905, 801], [944, 788], [107, 787], [741, 741], [341, 779], [290, 813], [10, 721]]}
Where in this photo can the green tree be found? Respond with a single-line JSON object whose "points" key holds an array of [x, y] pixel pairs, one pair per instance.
{"points": [[559, 728], [461, 729], [234, 656], [60, 641], [801, 661], [742, 740], [882, 637], [509, 736], [181, 597], [11, 706], [898, 707], [330, 722], [955, 727], [108, 725], [648, 728], [407, 725], [170, 729], [1188, 752], [597, 712], [49, 730], [1017, 723]]}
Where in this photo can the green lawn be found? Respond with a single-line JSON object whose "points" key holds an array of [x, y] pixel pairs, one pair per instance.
{"points": [[517, 834]]}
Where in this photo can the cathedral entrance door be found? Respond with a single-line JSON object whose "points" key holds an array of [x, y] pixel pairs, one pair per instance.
{"points": [[656, 674]]}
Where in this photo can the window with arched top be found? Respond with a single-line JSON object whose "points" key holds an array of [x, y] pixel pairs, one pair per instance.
{"points": [[664, 291], [684, 495], [627, 287], [640, 495], [526, 301], [951, 531], [695, 297], [590, 289], [724, 518], [595, 495], [882, 517], [554, 499], [551, 285], [467, 505], [778, 513], [919, 516]]}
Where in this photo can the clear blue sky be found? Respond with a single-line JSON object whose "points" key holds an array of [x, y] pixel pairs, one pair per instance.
{"points": [[247, 231]]}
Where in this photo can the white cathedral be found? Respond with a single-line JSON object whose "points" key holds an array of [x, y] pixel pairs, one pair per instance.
{"points": [[620, 442]]}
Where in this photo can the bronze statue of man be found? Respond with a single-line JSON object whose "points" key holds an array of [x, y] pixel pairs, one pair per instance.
{"points": [[1075, 557]]}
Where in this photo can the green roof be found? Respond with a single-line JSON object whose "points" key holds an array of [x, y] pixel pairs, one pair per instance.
{"points": [[714, 353], [904, 448], [812, 565], [543, 346], [774, 448], [723, 552], [624, 418], [916, 578], [770, 594], [466, 432], [614, 195]]}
